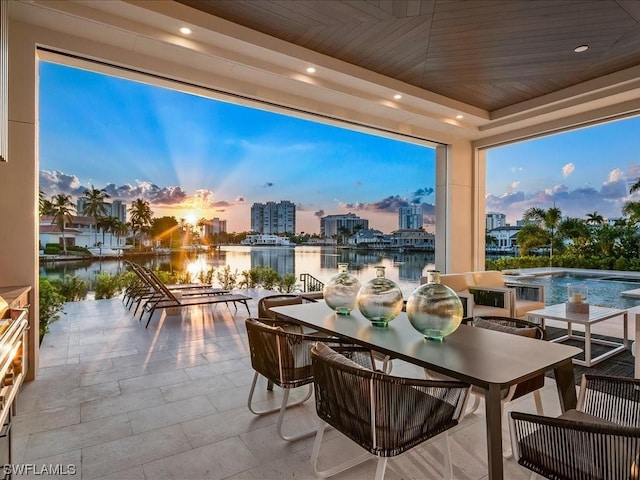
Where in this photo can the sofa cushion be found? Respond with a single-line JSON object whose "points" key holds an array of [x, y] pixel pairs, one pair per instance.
{"points": [[455, 281], [490, 278]]}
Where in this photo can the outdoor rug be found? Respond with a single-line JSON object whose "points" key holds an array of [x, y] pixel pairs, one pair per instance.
{"points": [[620, 365]]}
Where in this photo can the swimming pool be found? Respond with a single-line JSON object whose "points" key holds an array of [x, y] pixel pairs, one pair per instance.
{"points": [[604, 290]]}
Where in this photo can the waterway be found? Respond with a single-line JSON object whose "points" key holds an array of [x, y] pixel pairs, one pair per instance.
{"points": [[322, 262]]}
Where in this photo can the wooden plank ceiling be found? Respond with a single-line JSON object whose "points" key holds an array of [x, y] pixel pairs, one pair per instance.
{"points": [[486, 53]]}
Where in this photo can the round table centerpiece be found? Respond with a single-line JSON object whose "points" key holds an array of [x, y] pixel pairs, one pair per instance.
{"points": [[341, 290], [380, 299], [434, 309]]}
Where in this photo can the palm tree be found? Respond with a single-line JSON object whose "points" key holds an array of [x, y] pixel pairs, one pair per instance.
{"points": [[141, 217], [595, 219], [550, 220], [62, 209], [106, 225], [94, 205], [119, 228], [636, 186], [632, 210], [44, 206]]}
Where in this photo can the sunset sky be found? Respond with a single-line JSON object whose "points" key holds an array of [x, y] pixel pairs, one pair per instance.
{"points": [[189, 155], [193, 156]]}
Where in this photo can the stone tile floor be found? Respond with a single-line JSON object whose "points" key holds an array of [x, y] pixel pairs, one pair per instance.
{"points": [[119, 401]]}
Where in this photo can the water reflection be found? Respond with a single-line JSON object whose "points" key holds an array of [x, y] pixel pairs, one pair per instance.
{"points": [[321, 262]]}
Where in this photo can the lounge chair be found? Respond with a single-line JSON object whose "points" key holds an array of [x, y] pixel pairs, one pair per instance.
{"points": [[147, 288], [165, 298]]}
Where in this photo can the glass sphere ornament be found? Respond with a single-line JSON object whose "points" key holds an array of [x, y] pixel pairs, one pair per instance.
{"points": [[341, 290], [380, 299], [434, 309]]}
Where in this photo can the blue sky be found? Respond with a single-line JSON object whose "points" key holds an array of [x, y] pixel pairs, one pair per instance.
{"points": [[581, 171], [193, 156]]}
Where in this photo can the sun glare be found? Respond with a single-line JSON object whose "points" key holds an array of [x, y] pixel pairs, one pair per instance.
{"points": [[191, 218]]}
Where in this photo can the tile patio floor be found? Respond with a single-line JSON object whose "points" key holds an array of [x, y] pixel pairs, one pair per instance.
{"points": [[119, 401]]}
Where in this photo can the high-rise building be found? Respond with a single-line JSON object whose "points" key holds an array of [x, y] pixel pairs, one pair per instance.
{"points": [[410, 217], [118, 209], [333, 224], [495, 220], [215, 225], [274, 218]]}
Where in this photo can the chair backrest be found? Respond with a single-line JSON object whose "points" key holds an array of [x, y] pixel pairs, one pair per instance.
{"points": [[384, 414], [281, 356], [490, 278], [158, 284], [265, 304], [515, 326], [575, 450]]}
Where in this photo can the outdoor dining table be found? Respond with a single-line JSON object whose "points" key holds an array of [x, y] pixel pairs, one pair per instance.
{"points": [[489, 359]]}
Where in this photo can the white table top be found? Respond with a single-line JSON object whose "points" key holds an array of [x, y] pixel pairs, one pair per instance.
{"points": [[559, 312]]}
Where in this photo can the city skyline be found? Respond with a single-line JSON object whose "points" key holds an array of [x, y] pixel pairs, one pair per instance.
{"points": [[194, 157]]}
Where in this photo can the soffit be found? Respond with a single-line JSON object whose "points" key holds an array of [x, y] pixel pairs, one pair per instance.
{"points": [[355, 83]]}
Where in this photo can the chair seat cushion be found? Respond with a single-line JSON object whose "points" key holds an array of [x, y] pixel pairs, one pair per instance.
{"points": [[488, 324], [329, 353], [487, 311]]}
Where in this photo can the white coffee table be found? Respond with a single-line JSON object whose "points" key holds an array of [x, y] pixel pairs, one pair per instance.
{"points": [[596, 314]]}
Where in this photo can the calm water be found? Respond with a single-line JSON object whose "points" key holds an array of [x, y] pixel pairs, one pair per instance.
{"points": [[321, 262]]}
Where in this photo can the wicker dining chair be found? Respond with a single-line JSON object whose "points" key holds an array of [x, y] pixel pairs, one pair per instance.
{"points": [[384, 414], [283, 357], [599, 440], [513, 326]]}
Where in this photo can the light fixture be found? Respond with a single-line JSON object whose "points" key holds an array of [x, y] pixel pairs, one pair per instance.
{"points": [[581, 48], [397, 96], [459, 117], [185, 30], [311, 70]]}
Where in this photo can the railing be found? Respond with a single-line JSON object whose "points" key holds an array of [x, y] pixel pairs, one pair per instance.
{"points": [[310, 283]]}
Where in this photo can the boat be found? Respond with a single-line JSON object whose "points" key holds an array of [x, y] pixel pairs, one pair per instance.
{"points": [[267, 240], [101, 252]]}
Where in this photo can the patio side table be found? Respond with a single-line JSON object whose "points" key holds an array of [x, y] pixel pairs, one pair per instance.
{"points": [[596, 314]]}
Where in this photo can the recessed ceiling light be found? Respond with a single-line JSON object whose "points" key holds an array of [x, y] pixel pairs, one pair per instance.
{"points": [[185, 30], [311, 70], [581, 48], [459, 117], [397, 96]]}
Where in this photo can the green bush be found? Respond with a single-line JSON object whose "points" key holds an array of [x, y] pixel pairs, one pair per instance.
{"points": [[72, 288], [226, 278], [169, 278], [269, 277], [107, 285], [52, 250], [287, 284], [51, 304], [206, 276]]}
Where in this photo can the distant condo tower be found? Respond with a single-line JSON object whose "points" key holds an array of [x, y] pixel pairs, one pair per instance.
{"points": [[331, 225], [410, 217], [274, 218]]}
